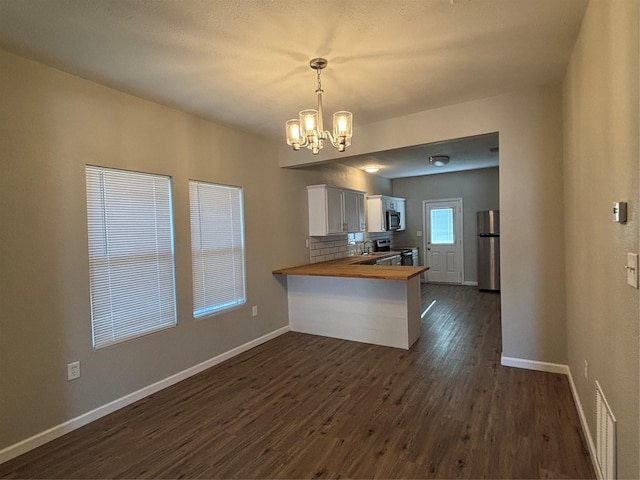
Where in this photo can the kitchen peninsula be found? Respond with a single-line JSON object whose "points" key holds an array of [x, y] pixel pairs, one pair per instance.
{"points": [[351, 299]]}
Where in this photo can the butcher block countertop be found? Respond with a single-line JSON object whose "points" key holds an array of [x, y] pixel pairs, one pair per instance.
{"points": [[352, 267]]}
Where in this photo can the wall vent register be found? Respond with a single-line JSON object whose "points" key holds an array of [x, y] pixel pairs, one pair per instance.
{"points": [[605, 436]]}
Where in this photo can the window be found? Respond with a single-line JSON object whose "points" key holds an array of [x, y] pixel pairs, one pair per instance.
{"points": [[217, 247], [353, 238], [442, 226], [130, 254]]}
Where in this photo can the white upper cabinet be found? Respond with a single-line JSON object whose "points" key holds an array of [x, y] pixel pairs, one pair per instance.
{"points": [[375, 213], [361, 212], [334, 216], [335, 210], [377, 207], [351, 212]]}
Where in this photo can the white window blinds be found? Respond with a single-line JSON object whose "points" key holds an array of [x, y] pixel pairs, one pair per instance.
{"points": [[131, 261], [442, 226], [217, 247]]}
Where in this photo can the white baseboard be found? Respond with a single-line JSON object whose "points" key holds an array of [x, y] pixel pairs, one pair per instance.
{"points": [[565, 370], [534, 365], [470, 283], [41, 438], [585, 427]]}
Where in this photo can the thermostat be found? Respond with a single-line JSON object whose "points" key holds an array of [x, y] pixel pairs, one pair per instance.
{"points": [[620, 212]]}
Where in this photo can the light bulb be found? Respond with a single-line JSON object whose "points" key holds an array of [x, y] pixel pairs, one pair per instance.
{"points": [[342, 125], [309, 122], [294, 137]]}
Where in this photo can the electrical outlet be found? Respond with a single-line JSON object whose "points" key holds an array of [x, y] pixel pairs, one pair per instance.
{"points": [[632, 269], [586, 370], [254, 311], [73, 370]]}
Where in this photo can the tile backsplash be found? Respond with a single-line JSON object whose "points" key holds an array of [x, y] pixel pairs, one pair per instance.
{"points": [[329, 248], [322, 249]]}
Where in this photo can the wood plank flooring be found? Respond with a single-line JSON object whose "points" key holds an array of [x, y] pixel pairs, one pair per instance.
{"points": [[302, 406]]}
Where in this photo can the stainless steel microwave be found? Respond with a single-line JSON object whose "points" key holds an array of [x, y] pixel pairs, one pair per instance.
{"points": [[393, 220]]}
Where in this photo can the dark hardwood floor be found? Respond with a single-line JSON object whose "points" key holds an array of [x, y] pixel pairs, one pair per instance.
{"points": [[302, 406]]}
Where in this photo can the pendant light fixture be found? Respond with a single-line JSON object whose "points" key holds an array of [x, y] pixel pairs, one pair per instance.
{"points": [[308, 131]]}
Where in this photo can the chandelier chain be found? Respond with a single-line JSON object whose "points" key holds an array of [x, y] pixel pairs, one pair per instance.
{"points": [[319, 89]]}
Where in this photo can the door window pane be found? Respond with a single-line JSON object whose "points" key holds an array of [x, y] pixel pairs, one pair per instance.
{"points": [[442, 226]]}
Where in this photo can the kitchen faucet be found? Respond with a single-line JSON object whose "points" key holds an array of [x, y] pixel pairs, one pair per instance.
{"points": [[365, 245]]}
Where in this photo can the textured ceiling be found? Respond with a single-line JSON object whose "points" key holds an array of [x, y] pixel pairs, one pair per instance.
{"points": [[245, 62]]}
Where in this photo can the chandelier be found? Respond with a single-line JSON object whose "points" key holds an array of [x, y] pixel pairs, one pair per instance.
{"points": [[308, 131]]}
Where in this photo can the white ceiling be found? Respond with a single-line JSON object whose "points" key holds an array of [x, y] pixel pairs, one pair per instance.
{"points": [[245, 63]]}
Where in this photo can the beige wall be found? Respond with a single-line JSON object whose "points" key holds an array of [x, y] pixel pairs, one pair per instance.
{"points": [[601, 166], [51, 125], [479, 190], [531, 199]]}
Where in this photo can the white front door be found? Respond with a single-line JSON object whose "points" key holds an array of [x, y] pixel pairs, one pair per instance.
{"points": [[443, 240]]}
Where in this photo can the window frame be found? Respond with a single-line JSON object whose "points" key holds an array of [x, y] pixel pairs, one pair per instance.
{"points": [[118, 206], [203, 306]]}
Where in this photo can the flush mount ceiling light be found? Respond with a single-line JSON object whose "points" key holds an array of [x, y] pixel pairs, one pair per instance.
{"points": [[308, 131], [371, 168], [439, 160]]}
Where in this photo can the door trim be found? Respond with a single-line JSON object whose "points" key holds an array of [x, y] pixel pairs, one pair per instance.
{"points": [[459, 225]]}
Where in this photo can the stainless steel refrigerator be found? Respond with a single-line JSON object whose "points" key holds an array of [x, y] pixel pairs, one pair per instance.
{"points": [[489, 250]]}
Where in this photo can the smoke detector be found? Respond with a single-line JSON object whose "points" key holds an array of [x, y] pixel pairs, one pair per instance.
{"points": [[438, 160]]}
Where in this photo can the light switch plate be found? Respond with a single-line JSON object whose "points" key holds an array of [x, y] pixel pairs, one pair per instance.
{"points": [[632, 269]]}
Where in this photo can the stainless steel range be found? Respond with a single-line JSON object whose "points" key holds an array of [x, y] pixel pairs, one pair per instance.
{"points": [[410, 256], [383, 245], [407, 256]]}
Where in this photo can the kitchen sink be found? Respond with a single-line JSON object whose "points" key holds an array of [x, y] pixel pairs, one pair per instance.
{"points": [[368, 262]]}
